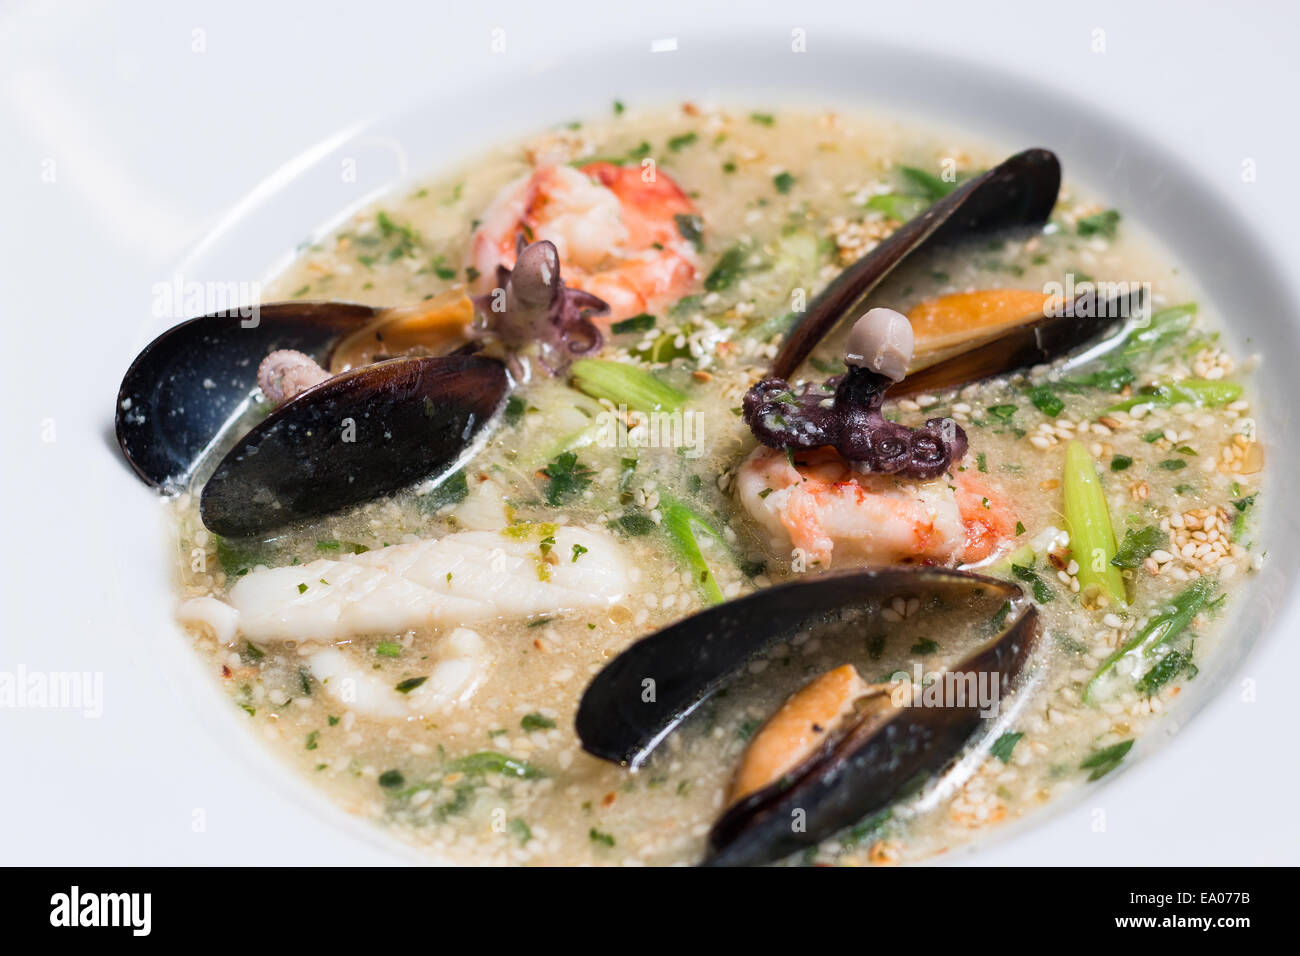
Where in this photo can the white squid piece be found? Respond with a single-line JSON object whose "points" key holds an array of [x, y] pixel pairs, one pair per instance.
{"points": [[460, 663], [461, 578]]}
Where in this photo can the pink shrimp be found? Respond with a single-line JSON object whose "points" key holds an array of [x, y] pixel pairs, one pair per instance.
{"points": [[829, 512], [616, 233]]}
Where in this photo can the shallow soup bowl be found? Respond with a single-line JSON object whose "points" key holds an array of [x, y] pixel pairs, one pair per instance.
{"points": [[1229, 713]]}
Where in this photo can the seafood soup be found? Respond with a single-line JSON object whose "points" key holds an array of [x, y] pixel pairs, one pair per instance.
{"points": [[708, 484]]}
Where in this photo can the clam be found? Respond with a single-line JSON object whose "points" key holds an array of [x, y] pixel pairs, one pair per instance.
{"points": [[839, 749], [968, 336], [365, 401]]}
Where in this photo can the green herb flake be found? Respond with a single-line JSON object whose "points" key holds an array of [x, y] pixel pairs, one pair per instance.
{"points": [[408, 685], [568, 478], [1004, 745], [637, 323], [453, 490], [520, 830], [1104, 761], [536, 721], [691, 228], [1046, 401], [633, 524], [489, 761], [1165, 670], [1138, 545], [514, 412], [1042, 593], [726, 271], [1102, 224], [783, 182], [926, 184]]}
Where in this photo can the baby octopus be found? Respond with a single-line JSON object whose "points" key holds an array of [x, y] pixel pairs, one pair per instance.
{"points": [[839, 481]]}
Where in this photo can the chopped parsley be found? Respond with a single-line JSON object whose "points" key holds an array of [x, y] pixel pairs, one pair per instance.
{"points": [[568, 478], [1004, 745], [536, 721], [1099, 224]]}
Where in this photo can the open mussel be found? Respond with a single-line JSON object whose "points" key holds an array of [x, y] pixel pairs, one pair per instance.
{"points": [[839, 749], [1018, 193], [1011, 340], [364, 401], [189, 383], [968, 336]]}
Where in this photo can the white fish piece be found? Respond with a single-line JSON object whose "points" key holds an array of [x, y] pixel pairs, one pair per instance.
{"points": [[461, 578], [460, 663], [484, 508], [218, 618]]}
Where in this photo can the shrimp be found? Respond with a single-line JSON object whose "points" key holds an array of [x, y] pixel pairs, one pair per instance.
{"points": [[617, 235], [830, 512]]}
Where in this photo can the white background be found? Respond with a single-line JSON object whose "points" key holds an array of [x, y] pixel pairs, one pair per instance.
{"points": [[153, 143]]}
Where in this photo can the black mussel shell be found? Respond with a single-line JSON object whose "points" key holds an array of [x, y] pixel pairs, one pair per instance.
{"points": [[853, 775], [186, 386], [690, 659], [354, 437], [863, 771], [1018, 193]]}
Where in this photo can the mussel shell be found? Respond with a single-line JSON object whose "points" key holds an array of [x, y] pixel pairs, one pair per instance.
{"points": [[690, 659], [352, 438], [1040, 341], [186, 386], [862, 771], [1018, 193]]}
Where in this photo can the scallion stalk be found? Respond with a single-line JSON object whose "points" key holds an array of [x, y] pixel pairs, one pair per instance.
{"points": [[1092, 539], [627, 385], [684, 527], [1193, 391]]}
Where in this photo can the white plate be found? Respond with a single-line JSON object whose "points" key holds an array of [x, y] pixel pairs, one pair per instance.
{"points": [[152, 134]]}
